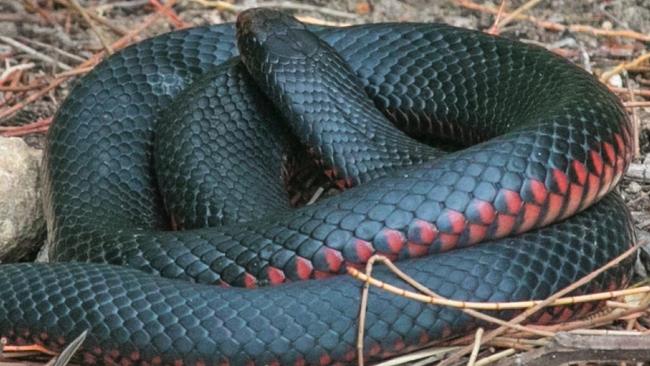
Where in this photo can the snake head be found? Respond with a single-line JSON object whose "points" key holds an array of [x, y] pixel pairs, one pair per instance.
{"points": [[263, 33]]}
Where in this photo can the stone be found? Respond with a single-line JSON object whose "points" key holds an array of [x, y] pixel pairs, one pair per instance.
{"points": [[22, 225]]}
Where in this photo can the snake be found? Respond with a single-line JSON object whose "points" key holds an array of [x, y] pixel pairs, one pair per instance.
{"points": [[173, 240]]}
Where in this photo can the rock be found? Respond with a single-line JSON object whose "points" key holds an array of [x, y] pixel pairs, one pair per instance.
{"points": [[642, 264], [22, 226], [616, 80], [634, 188], [43, 255]]}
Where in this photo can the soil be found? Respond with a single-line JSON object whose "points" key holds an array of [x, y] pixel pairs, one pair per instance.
{"points": [[57, 24]]}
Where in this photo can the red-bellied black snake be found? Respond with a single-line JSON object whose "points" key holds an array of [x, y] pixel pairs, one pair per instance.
{"points": [[178, 126]]}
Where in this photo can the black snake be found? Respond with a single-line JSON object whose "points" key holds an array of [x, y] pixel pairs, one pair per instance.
{"points": [[179, 131]]}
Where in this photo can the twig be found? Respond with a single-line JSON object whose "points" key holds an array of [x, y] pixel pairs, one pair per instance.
{"points": [[595, 322], [605, 332], [494, 29], [226, 6], [122, 42], [434, 353], [618, 304], [496, 306], [11, 350], [121, 5], [17, 17], [169, 13], [560, 27], [85, 66], [642, 92], [317, 21], [495, 357], [102, 20], [53, 48], [66, 355], [517, 343], [527, 313], [435, 299], [637, 104], [40, 125], [32, 5], [20, 88], [624, 66], [12, 42], [636, 121], [79, 70], [567, 347], [611, 16], [477, 346], [15, 80], [520, 10], [33, 97], [11, 69], [75, 5], [316, 196], [363, 306], [368, 280]]}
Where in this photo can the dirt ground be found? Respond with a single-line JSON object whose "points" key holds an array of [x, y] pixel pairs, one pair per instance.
{"points": [[61, 37]]}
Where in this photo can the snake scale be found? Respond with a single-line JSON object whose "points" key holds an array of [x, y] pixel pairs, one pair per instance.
{"points": [[178, 131]]}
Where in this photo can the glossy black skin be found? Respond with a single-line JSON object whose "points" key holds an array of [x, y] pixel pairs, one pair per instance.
{"points": [[109, 163], [128, 311]]}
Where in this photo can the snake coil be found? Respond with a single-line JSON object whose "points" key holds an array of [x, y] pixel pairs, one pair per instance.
{"points": [[179, 128]]}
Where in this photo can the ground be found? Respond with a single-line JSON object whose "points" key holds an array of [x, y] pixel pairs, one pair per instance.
{"points": [[64, 38]]}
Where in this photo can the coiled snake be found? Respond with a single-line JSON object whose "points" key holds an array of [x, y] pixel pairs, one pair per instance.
{"points": [[179, 131]]}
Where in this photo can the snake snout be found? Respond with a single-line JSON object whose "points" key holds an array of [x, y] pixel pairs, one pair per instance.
{"points": [[268, 32]]}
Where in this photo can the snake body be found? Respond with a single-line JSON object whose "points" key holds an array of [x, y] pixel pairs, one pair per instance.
{"points": [[180, 127]]}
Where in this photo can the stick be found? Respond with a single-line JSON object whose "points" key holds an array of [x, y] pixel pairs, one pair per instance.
{"points": [[121, 5], [20, 88], [579, 28], [40, 125], [495, 357], [115, 28], [75, 5], [55, 49], [494, 29], [624, 66], [436, 352], [413, 283], [12, 42], [170, 14], [637, 104], [477, 346], [11, 69], [596, 322], [643, 92], [496, 306], [87, 65], [572, 348], [526, 314], [520, 10], [226, 6], [636, 122], [66, 355]]}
